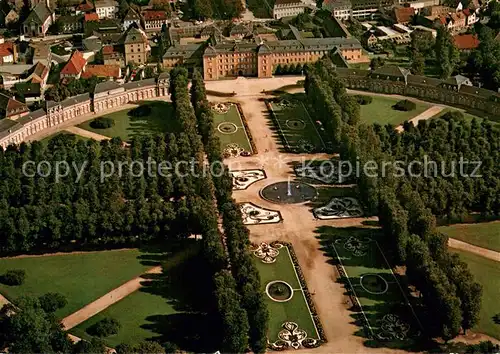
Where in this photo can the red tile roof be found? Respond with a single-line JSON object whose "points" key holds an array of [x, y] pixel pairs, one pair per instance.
{"points": [[91, 16], [101, 71], [75, 64], [404, 14], [108, 49], [85, 7], [466, 41], [6, 49], [154, 15]]}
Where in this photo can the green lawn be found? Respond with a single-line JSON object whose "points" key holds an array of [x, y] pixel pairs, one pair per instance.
{"points": [[381, 111], [373, 283], [294, 310], [169, 307], [235, 133], [487, 273], [160, 120], [486, 235], [63, 132], [81, 277], [295, 126]]}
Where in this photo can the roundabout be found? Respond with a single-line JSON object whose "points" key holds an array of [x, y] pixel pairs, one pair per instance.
{"points": [[279, 291], [288, 192]]}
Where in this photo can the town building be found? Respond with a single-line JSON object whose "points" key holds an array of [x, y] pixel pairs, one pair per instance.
{"points": [[71, 24], [11, 108], [39, 20], [403, 15], [285, 8], [38, 74], [74, 67], [84, 7], [154, 20], [106, 8], [109, 72], [368, 8], [369, 39], [187, 54], [11, 18], [131, 17], [91, 16], [136, 46], [471, 17], [112, 55], [340, 9], [8, 52]]}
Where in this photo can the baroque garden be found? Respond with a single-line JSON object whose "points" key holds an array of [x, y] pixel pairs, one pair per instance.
{"points": [[272, 251]]}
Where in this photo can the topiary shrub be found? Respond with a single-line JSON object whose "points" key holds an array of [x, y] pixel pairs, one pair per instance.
{"points": [[13, 277], [405, 105], [102, 123], [51, 302], [141, 111], [104, 328], [363, 100]]}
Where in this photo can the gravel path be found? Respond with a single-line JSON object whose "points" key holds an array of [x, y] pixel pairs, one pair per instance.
{"points": [[429, 113], [87, 133], [483, 252], [105, 301]]}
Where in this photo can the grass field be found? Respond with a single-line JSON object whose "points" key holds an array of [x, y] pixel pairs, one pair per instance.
{"points": [[381, 111], [295, 126], [236, 133], [160, 120], [81, 277], [486, 235], [383, 305], [170, 307], [487, 273], [296, 309]]}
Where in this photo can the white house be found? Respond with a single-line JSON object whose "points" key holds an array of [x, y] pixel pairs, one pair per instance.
{"points": [[284, 8], [106, 8]]}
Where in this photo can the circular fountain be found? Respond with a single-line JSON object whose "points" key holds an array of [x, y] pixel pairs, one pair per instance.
{"points": [[288, 192]]}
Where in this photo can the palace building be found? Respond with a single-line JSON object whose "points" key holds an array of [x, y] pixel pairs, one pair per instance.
{"points": [[256, 57]]}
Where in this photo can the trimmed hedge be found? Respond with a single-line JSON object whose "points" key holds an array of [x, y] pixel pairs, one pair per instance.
{"points": [[405, 105], [104, 328], [363, 99], [13, 277], [102, 123]]}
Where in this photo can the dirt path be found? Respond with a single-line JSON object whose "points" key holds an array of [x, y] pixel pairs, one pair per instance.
{"points": [[429, 113], [3, 301], [483, 252], [105, 301], [87, 133]]}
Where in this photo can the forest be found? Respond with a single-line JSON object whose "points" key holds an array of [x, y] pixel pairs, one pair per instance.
{"points": [[449, 299], [45, 213]]}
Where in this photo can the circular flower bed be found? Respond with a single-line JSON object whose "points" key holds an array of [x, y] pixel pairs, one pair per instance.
{"points": [[227, 128], [374, 284], [279, 291], [220, 108], [295, 124]]}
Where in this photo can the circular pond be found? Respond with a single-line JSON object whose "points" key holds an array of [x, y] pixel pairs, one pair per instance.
{"points": [[288, 192], [374, 284], [279, 291]]}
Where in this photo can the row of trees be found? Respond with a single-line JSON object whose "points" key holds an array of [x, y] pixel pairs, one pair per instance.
{"points": [[237, 236], [446, 286], [233, 316], [60, 92]]}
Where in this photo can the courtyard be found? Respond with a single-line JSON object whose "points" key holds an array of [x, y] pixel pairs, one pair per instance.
{"points": [[380, 111], [160, 119]]}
